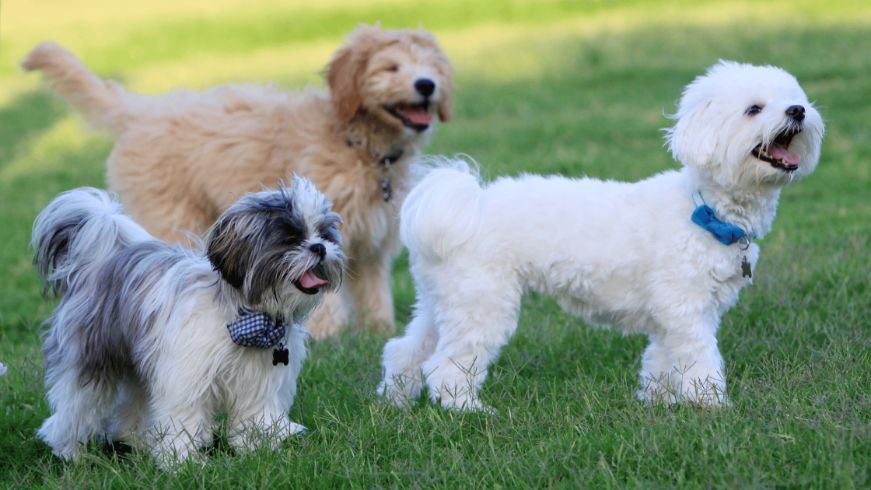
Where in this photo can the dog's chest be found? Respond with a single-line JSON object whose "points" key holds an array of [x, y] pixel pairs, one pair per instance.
{"points": [[373, 230], [632, 299], [734, 270], [374, 216]]}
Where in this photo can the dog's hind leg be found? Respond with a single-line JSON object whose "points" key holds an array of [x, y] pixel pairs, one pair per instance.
{"points": [[79, 411], [129, 416], [403, 357], [474, 321]]}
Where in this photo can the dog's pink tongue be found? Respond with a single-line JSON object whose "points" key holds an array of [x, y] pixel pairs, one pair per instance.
{"points": [[782, 153], [310, 281], [417, 115]]}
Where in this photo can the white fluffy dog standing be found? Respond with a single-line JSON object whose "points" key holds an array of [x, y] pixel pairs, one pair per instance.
{"points": [[151, 341], [666, 256]]}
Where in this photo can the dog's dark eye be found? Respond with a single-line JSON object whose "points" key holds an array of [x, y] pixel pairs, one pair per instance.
{"points": [[330, 233], [753, 110], [328, 229], [392, 68]]}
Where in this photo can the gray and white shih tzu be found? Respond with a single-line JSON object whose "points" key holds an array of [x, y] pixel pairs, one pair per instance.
{"points": [[150, 341]]}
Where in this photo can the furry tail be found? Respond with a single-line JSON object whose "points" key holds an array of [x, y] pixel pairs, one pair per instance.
{"points": [[76, 232], [441, 212], [101, 101]]}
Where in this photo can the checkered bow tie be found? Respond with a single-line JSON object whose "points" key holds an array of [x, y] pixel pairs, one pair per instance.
{"points": [[256, 329]]}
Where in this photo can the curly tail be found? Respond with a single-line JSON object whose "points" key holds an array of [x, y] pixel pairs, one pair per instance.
{"points": [[103, 102], [441, 212], [79, 230]]}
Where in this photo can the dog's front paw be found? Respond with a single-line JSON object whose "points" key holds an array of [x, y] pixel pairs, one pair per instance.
{"points": [[456, 393], [259, 432], [68, 452], [708, 392], [399, 392], [468, 406], [657, 394], [464, 402], [294, 429], [169, 454], [62, 444]]}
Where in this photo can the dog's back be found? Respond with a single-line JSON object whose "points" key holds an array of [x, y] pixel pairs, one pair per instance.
{"points": [[441, 212], [107, 270]]}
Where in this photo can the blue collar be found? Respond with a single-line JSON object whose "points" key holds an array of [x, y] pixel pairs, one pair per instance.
{"points": [[256, 329], [726, 233]]}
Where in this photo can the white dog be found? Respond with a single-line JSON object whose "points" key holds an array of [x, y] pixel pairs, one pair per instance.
{"points": [[150, 341], [666, 256]]}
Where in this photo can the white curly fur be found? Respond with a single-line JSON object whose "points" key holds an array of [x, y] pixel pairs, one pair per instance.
{"points": [[625, 255]]}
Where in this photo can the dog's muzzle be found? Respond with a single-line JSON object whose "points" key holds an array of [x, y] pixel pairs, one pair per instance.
{"points": [[414, 116], [314, 279], [777, 152]]}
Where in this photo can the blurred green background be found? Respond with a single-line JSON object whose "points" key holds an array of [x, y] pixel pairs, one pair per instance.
{"points": [[570, 87]]}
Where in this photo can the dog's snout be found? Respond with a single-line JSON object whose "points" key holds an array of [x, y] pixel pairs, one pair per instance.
{"points": [[424, 86], [319, 249], [796, 112]]}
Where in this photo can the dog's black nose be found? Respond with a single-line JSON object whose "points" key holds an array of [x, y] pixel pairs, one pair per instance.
{"points": [[796, 112], [319, 249], [424, 86]]}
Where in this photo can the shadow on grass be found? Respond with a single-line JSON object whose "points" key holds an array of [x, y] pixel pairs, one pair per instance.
{"points": [[25, 117]]}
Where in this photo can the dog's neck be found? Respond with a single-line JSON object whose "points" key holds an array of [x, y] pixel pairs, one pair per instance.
{"points": [[377, 142], [234, 299], [752, 208]]}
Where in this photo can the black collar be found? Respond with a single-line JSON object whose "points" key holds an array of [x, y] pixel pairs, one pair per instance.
{"points": [[391, 158], [388, 159]]}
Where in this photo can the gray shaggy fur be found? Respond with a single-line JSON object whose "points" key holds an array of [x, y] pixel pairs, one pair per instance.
{"points": [[108, 270], [138, 347]]}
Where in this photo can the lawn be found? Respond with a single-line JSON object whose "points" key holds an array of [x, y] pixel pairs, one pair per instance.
{"points": [[576, 88]]}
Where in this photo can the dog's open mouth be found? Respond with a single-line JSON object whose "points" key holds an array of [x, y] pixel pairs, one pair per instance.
{"points": [[777, 153], [414, 116], [311, 281]]}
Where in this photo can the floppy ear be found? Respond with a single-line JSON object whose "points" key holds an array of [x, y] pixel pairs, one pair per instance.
{"points": [[343, 74], [446, 72], [693, 139], [226, 253], [445, 106]]}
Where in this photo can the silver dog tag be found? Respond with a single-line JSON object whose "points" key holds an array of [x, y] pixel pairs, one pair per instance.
{"points": [[745, 268], [386, 189]]}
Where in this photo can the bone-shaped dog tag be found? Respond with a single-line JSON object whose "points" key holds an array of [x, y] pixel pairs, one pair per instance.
{"points": [[280, 355]]}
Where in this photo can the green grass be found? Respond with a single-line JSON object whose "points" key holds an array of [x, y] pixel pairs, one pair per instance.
{"points": [[577, 88]]}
